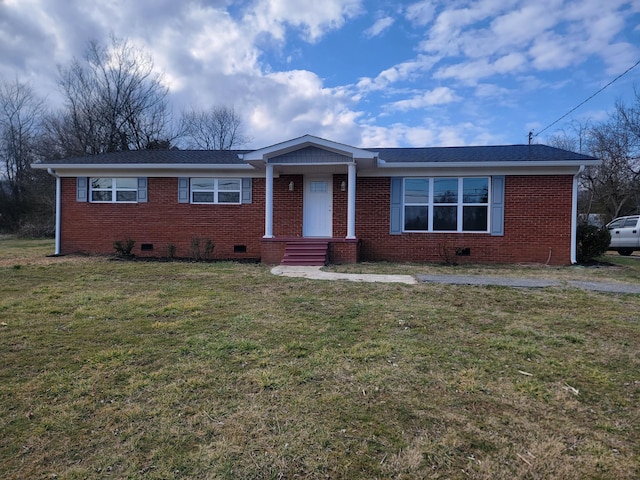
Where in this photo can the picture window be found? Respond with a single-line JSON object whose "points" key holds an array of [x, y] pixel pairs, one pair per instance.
{"points": [[446, 204]]}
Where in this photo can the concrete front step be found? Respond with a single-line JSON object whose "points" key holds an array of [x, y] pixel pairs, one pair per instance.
{"points": [[308, 252]]}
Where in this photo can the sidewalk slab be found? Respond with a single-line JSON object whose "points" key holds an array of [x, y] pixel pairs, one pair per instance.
{"points": [[608, 287], [315, 273], [497, 281]]}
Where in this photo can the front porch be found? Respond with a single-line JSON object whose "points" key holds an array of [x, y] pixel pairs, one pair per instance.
{"points": [[310, 201], [339, 250]]}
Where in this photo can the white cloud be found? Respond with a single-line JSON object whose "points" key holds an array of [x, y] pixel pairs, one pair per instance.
{"points": [[218, 52], [290, 104], [518, 27], [313, 18], [469, 72], [378, 27], [495, 38], [490, 90], [420, 13], [401, 71], [510, 64], [430, 134], [396, 135], [550, 52], [446, 36], [437, 96]]}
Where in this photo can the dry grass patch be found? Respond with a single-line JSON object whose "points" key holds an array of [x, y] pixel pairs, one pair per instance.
{"points": [[178, 370]]}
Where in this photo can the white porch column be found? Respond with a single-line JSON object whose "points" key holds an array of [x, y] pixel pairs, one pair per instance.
{"points": [[58, 213], [574, 216], [351, 202], [58, 209], [268, 213]]}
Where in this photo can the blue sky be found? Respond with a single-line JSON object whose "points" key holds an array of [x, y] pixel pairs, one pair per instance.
{"points": [[367, 73]]}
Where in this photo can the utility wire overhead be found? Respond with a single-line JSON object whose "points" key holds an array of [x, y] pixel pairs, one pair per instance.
{"points": [[531, 135]]}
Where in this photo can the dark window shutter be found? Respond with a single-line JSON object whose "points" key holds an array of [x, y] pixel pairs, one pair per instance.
{"points": [[396, 206], [497, 206], [82, 189], [142, 189], [246, 190], [183, 190]]}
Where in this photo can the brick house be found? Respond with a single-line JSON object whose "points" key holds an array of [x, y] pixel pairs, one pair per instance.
{"points": [[308, 196]]}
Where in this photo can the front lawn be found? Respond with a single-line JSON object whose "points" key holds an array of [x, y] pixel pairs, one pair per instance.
{"points": [[116, 369]]}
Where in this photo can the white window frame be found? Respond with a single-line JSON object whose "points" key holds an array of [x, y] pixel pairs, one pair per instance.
{"points": [[114, 189], [459, 204], [215, 190]]}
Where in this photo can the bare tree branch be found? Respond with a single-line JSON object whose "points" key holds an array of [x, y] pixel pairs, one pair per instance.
{"points": [[115, 100], [219, 128]]}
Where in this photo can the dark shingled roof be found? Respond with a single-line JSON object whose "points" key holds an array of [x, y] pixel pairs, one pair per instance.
{"points": [[497, 153], [186, 157]]}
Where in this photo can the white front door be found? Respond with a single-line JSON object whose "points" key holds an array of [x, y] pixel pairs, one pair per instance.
{"points": [[318, 206]]}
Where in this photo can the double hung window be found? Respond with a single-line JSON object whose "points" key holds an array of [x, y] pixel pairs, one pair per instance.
{"points": [[114, 190], [446, 204], [216, 190]]}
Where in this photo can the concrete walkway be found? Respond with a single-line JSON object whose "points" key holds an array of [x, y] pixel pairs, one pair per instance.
{"points": [[316, 273]]}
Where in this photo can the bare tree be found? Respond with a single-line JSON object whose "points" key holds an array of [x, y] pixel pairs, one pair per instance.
{"points": [[573, 138], [562, 139], [21, 113], [219, 128], [115, 100], [613, 187], [629, 117], [615, 184]]}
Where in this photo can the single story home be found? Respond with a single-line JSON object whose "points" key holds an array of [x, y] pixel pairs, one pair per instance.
{"points": [[309, 200]]}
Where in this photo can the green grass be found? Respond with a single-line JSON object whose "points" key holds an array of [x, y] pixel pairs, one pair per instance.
{"points": [[115, 369]]}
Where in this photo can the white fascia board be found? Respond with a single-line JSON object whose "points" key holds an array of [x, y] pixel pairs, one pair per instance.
{"points": [[494, 165], [462, 171], [302, 142], [159, 170], [141, 166]]}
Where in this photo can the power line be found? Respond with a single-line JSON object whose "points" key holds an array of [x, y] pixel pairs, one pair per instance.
{"points": [[579, 105]]}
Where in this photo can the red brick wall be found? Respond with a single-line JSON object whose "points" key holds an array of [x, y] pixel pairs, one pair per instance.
{"points": [[537, 224], [93, 227], [287, 206]]}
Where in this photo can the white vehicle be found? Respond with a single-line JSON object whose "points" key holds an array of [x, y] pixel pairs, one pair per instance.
{"points": [[625, 234]]}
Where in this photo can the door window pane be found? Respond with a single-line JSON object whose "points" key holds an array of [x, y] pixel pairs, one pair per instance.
{"points": [[318, 187]]}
